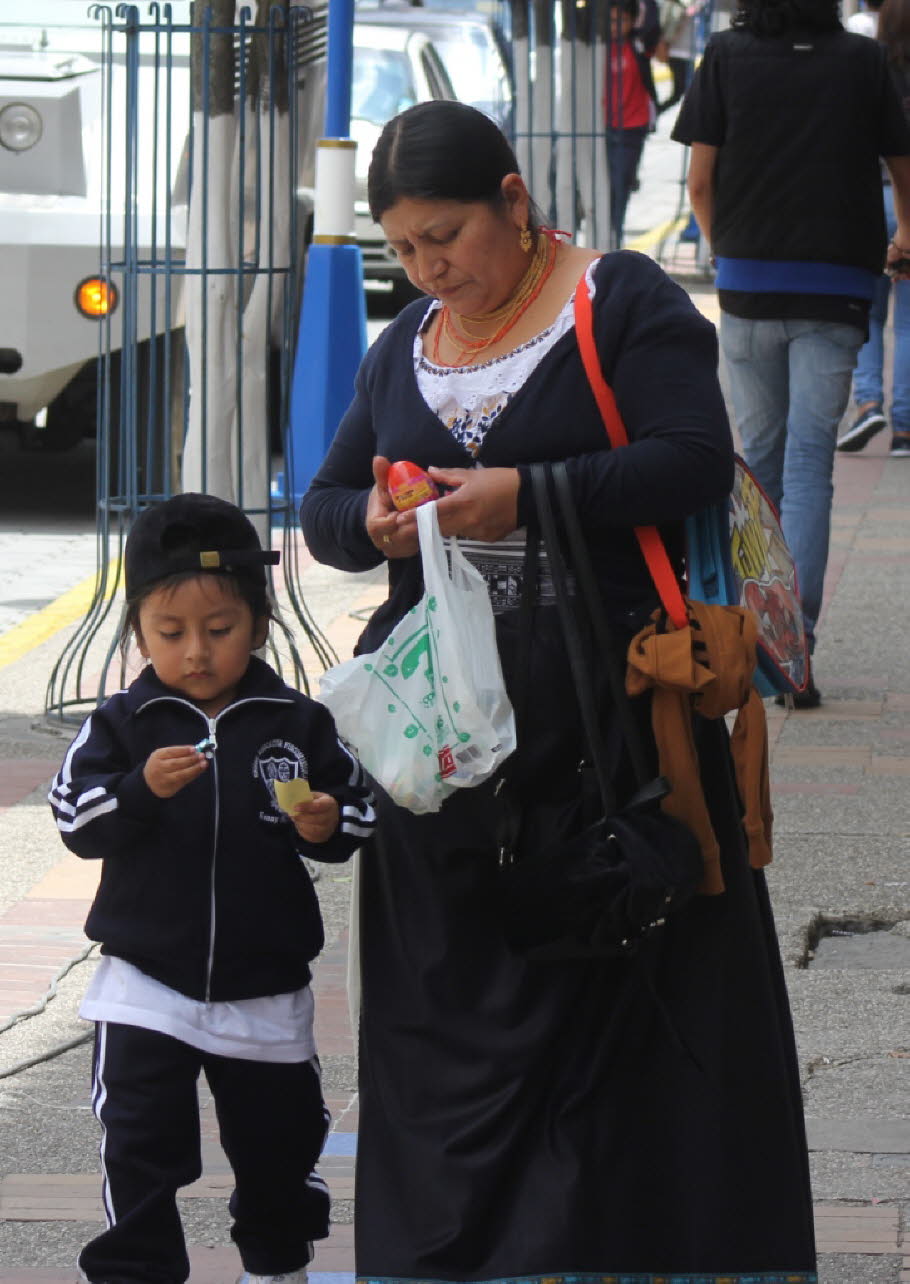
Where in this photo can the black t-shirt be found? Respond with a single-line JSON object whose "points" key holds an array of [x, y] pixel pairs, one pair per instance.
{"points": [[800, 122]]}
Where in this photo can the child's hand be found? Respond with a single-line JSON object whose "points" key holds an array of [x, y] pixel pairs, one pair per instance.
{"points": [[317, 819], [167, 770]]}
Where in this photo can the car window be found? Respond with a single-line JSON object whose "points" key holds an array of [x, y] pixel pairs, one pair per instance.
{"points": [[435, 72], [382, 85], [475, 66]]}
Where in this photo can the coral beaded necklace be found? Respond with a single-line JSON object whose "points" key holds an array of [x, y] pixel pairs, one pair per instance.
{"points": [[458, 334]]}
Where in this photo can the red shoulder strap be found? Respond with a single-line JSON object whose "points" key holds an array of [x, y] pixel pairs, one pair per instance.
{"points": [[652, 546]]}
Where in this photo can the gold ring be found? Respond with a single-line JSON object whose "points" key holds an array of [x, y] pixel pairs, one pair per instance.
{"points": [[386, 539]]}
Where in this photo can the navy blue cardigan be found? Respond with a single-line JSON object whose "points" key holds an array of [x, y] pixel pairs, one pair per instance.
{"points": [[660, 357]]}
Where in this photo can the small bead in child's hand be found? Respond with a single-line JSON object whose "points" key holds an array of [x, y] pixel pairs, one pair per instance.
{"points": [[206, 747]]}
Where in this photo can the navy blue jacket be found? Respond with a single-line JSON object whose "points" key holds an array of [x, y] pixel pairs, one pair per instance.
{"points": [[208, 891], [658, 354]]}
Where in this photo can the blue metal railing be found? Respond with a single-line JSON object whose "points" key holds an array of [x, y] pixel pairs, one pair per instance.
{"points": [[168, 87]]}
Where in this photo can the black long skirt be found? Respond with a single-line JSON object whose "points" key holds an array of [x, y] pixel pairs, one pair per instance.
{"points": [[636, 1119]]}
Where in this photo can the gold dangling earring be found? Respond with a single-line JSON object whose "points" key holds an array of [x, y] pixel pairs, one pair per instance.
{"points": [[525, 239]]}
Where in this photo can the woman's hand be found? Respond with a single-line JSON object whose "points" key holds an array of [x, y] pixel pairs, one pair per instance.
{"points": [[317, 819], [382, 519], [482, 505], [167, 770]]}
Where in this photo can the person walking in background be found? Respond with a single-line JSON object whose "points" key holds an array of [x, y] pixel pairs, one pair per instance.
{"points": [[868, 381], [790, 201], [647, 26], [677, 46], [630, 108], [205, 911]]}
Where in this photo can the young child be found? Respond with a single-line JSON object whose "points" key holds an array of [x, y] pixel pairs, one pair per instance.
{"points": [[205, 911]]}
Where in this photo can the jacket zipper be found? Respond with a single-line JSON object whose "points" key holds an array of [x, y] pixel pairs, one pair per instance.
{"points": [[209, 747], [210, 961]]}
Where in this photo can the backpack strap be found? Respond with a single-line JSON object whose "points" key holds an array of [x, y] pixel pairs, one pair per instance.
{"points": [[652, 546]]}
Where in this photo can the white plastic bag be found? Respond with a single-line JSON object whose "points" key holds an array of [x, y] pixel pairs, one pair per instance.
{"points": [[427, 713]]}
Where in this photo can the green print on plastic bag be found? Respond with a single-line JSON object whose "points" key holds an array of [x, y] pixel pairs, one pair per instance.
{"points": [[417, 656], [404, 662], [451, 709], [413, 728]]}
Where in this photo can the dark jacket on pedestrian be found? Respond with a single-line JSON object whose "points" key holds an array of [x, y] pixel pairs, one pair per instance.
{"points": [[207, 891], [798, 222]]}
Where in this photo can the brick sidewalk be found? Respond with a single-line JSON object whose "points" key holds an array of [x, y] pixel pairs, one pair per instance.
{"points": [[332, 1265], [861, 1230]]}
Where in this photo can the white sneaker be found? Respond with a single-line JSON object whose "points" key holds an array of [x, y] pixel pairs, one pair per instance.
{"points": [[295, 1277]]}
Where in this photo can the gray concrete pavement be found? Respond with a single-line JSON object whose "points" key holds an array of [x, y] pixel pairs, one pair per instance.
{"points": [[840, 884]]}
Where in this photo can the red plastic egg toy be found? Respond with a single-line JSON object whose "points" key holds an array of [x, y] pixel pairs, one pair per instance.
{"points": [[409, 486]]}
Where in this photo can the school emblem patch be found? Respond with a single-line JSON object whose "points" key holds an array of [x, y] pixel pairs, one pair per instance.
{"points": [[278, 760]]}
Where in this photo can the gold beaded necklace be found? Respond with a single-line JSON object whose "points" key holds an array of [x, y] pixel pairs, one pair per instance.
{"points": [[458, 334]]}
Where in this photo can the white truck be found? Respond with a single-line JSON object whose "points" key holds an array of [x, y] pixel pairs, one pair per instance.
{"points": [[56, 191]]}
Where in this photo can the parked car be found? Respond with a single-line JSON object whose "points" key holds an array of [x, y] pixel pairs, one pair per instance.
{"points": [[471, 44], [394, 67], [437, 54]]}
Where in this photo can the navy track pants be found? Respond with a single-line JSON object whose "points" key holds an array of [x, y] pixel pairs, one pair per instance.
{"points": [[272, 1122]]}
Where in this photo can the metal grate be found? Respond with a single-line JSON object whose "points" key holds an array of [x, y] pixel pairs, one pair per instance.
{"points": [[202, 231]]}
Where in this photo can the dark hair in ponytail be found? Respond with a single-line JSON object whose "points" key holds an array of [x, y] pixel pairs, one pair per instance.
{"points": [[440, 151]]}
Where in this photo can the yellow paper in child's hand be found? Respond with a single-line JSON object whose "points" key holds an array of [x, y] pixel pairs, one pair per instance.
{"points": [[288, 793]]}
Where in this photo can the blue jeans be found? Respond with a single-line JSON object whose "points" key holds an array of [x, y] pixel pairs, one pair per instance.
{"points": [[624, 148], [868, 380], [789, 384]]}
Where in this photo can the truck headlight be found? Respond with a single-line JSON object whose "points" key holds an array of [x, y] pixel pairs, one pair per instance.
{"points": [[20, 127]]}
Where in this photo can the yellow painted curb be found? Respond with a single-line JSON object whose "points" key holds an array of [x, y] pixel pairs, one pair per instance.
{"points": [[43, 624], [648, 240]]}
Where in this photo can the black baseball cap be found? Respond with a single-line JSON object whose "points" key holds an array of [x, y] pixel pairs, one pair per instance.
{"points": [[192, 532]]}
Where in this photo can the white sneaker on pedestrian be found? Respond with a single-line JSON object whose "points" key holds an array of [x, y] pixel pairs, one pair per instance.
{"points": [[900, 445], [293, 1277]]}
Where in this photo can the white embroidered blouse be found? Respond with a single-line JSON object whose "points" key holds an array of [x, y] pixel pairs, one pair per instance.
{"points": [[469, 398]]}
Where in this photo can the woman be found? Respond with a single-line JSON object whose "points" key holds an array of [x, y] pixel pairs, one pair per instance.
{"points": [[523, 1119], [894, 33]]}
